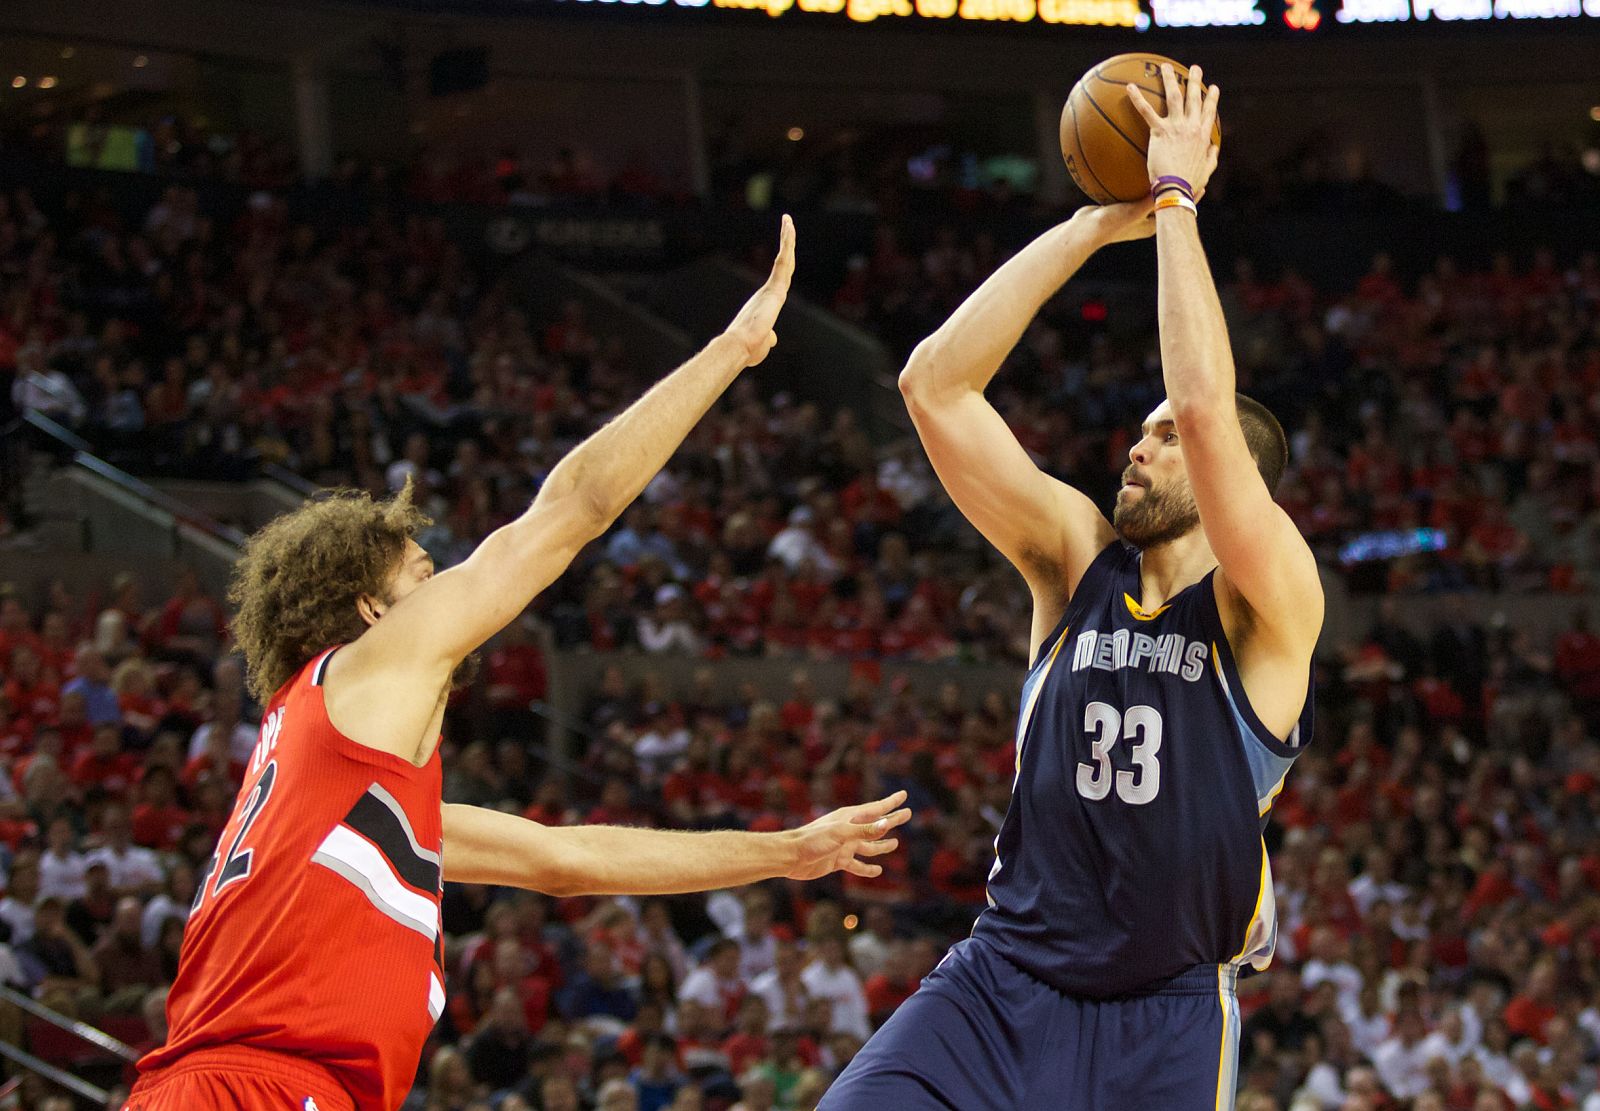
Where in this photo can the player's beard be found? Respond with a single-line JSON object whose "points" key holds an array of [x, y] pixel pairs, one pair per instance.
{"points": [[1159, 516]]}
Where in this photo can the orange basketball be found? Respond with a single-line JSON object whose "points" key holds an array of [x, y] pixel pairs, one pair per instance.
{"points": [[1103, 137]]}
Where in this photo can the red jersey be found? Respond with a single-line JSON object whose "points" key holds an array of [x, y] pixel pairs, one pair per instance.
{"points": [[316, 930]]}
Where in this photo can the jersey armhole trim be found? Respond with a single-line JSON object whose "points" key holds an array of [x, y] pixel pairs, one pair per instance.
{"points": [[1227, 669], [353, 749], [1069, 616], [1233, 690], [320, 671]]}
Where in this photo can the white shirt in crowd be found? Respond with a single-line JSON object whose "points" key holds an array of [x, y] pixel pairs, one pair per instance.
{"points": [[1499, 1071], [1403, 1069], [796, 544], [726, 912], [784, 1011], [11, 970], [135, 866], [62, 876], [702, 986], [1323, 1087], [161, 908], [657, 749], [1365, 891], [50, 392], [1367, 1032], [1438, 1044], [240, 745], [19, 917], [1344, 975], [842, 986], [667, 636], [1589, 1019], [756, 955], [867, 952]]}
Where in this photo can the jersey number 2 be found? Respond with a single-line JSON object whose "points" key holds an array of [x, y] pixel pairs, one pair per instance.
{"points": [[236, 866], [1141, 724]]}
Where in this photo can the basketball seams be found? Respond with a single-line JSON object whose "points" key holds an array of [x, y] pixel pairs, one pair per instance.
{"points": [[1084, 144], [1160, 94], [1143, 152], [1077, 135]]}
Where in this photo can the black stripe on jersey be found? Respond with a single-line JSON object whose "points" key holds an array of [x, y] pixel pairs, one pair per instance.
{"points": [[321, 671], [377, 823]]}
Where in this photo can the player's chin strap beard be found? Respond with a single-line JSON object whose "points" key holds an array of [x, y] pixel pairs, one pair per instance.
{"points": [[1154, 520]]}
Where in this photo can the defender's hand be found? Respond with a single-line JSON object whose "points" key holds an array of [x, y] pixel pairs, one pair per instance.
{"points": [[836, 841], [1181, 142], [752, 328]]}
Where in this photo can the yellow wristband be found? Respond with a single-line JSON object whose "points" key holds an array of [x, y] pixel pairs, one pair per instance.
{"points": [[1175, 199]]}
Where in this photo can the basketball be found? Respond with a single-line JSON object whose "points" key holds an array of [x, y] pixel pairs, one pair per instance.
{"points": [[1103, 137]]}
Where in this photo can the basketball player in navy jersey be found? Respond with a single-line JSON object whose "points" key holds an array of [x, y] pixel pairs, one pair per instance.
{"points": [[1169, 693]]}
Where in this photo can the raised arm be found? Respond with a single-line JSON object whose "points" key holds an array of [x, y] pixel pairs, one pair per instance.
{"points": [[384, 689], [1264, 559], [488, 847], [1047, 529]]}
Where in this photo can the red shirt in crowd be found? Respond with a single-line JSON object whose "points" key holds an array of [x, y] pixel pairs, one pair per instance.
{"points": [[116, 774], [1526, 1018], [159, 827]]}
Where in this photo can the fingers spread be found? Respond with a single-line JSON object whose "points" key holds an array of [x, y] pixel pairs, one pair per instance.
{"points": [[1142, 106], [861, 833], [878, 848], [1195, 93], [1169, 80], [872, 811], [1209, 113], [858, 868]]}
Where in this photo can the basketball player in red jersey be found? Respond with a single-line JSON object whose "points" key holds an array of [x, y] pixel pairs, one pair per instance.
{"points": [[311, 970]]}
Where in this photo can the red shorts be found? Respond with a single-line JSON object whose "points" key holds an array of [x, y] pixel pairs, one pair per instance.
{"points": [[234, 1078]]}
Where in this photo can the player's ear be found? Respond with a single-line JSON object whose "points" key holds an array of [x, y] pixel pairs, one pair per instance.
{"points": [[370, 608]]}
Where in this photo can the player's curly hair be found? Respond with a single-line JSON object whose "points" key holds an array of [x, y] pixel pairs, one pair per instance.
{"points": [[297, 581]]}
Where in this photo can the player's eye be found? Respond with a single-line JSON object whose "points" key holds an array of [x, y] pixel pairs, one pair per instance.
{"points": [[1170, 438]]}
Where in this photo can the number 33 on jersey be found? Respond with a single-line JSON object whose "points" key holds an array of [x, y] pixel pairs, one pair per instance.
{"points": [[1132, 849]]}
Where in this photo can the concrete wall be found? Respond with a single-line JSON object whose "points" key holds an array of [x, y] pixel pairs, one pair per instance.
{"points": [[109, 521], [246, 506]]}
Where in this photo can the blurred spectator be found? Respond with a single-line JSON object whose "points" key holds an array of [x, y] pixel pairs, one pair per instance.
{"points": [[128, 969]]}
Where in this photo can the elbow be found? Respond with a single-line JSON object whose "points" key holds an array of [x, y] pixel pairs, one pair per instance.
{"points": [[559, 884], [590, 513], [581, 499], [561, 870], [576, 512], [1197, 411], [919, 374]]}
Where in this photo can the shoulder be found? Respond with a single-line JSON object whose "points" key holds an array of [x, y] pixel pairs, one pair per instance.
{"points": [[1292, 629]]}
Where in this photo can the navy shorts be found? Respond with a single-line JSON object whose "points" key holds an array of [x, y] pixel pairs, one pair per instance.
{"points": [[980, 1033]]}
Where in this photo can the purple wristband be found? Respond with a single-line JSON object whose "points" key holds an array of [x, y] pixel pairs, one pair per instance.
{"points": [[1172, 181]]}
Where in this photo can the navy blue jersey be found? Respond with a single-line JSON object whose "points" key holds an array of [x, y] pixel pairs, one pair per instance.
{"points": [[1132, 850]]}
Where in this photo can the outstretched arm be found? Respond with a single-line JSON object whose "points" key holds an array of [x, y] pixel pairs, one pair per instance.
{"points": [[383, 690], [1048, 530], [488, 847], [1264, 558]]}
